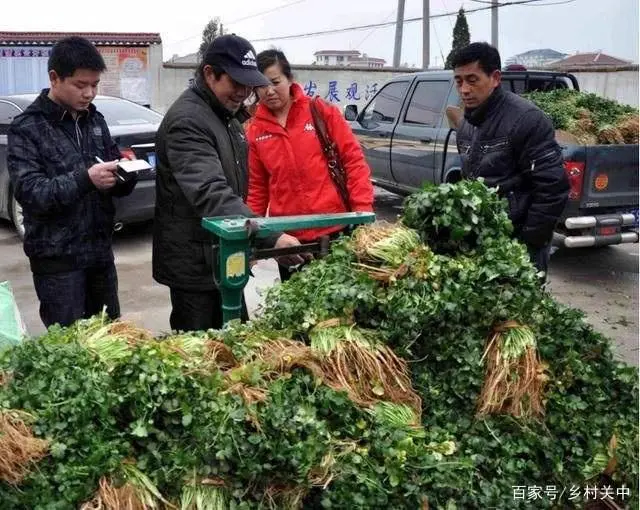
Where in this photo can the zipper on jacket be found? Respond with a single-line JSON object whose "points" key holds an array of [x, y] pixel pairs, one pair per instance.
{"points": [[487, 146], [78, 132], [77, 140], [473, 172], [542, 158], [236, 168]]}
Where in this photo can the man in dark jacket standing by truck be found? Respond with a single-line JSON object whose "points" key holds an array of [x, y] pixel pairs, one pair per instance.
{"points": [[510, 143], [202, 172], [66, 196]]}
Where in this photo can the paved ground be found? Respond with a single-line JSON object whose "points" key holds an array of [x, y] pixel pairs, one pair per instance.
{"points": [[602, 282]]}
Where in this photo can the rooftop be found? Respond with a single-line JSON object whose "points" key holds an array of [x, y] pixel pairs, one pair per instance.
{"points": [[543, 52], [98, 38], [594, 59], [337, 52]]}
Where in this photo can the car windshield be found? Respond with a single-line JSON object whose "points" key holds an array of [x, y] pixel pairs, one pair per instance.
{"points": [[118, 112]]}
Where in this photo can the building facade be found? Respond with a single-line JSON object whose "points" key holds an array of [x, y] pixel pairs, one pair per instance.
{"points": [[133, 62], [535, 59], [347, 58]]}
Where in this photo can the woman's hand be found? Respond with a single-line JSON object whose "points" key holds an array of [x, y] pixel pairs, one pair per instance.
{"points": [[287, 241]]}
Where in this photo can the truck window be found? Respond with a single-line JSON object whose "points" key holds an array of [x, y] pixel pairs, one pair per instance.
{"points": [[427, 101], [520, 86], [386, 105]]}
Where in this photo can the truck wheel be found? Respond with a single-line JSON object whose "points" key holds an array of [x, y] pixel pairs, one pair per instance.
{"points": [[17, 217], [453, 176]]}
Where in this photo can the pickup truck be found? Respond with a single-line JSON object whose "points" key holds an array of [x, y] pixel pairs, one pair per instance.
{"points": [[408, 141]]}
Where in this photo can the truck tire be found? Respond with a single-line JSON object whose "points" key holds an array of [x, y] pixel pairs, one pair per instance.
{"points": [[452, 175]]}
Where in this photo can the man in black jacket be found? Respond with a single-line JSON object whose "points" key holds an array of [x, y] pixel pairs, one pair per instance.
{"points": [[510, 142], [202, 172], [66, 197]]}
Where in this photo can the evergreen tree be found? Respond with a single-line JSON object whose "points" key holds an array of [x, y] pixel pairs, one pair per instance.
{"points": [[461, 37], [212, 30]]}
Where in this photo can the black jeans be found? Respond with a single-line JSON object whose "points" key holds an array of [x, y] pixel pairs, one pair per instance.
{"points": [[72, 295], [540, 258], [198, 311]]}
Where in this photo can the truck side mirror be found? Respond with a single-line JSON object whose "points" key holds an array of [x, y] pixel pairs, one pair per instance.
{"points": [[351, 112]]}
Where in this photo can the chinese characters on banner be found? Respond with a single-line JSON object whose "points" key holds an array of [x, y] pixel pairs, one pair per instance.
{"points": [[342, 93], [23, 69], [127, 73]]}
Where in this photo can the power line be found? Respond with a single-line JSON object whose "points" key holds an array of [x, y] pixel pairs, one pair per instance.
{"points": [[435, 31], [391, 15], [551, 3], [448, 19], [389, 23], [529, 4], [244, 18], [268, 11]]}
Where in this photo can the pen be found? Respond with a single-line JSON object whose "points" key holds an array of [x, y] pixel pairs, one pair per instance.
{"points": [[116, 173]]}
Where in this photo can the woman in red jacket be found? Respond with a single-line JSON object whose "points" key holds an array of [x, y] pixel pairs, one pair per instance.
{"points": [[288, 171]]}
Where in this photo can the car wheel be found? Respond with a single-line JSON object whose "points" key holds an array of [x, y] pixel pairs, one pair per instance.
{"points": [[17, 217]]}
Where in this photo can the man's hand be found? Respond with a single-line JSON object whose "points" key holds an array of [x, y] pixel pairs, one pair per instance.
{"points": [[286, 241], [103, 175]]}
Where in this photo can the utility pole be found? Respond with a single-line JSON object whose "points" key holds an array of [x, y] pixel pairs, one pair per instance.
{"points": [[397, 47], [494, 23], [425, 35]]}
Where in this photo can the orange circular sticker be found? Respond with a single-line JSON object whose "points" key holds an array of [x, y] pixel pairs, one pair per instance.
{"points": [[601, 182]]}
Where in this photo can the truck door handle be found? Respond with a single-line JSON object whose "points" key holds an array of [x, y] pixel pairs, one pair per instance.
{"points": [[426, 140], [383, 135]]}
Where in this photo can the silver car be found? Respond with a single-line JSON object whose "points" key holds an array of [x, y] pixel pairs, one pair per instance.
{"points": [[133, 128]]}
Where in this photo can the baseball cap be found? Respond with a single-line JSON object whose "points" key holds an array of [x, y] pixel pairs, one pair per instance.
{"points": [[236, 57]]}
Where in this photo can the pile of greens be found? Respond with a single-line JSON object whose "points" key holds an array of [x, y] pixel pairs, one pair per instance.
{"points": [[439, 311], [419, 365], [237, 419], [590, 118]]}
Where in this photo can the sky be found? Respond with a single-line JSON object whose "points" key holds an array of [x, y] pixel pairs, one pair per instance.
{"points": [[567, 26]]}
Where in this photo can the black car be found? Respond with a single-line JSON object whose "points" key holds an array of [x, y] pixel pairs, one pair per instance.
{"points": [[133, 127]]}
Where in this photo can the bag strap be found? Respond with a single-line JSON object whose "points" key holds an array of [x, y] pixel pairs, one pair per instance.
{"points": [[336, 170], [320, 125]]}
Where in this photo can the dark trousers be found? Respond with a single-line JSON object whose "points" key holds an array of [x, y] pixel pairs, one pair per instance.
{"points": [[540, 258], [198, 311], [286, 273], [68, 296]]}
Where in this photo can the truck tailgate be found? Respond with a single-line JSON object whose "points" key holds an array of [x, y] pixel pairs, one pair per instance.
{"points": [[611, 176]]}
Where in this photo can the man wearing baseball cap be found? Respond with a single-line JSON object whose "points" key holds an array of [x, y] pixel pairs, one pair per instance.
{"points": [[202, 172]]}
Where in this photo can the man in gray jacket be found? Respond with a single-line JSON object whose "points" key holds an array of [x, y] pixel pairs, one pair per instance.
{"points": [[202, 172]]}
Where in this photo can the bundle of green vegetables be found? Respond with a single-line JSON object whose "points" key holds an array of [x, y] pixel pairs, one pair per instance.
{"points": [[533, 395], [589, 118], [420, 365], [100, 415]]}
